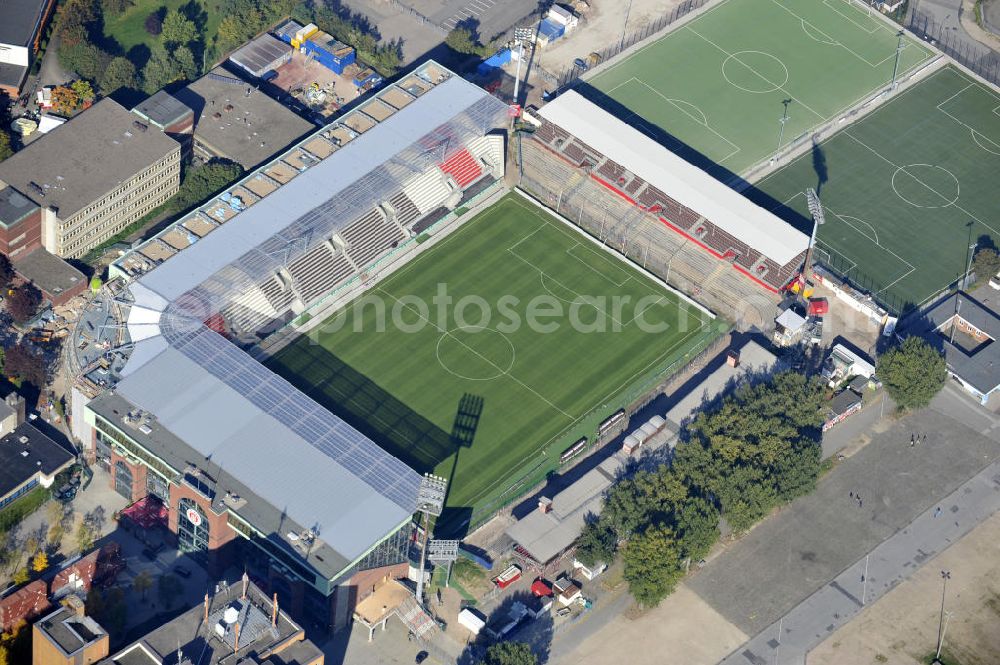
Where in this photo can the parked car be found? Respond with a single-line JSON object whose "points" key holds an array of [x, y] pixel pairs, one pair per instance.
{"points": [[581, 63]]}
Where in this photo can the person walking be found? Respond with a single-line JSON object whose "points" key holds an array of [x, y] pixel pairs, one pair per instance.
{"points": [[937, 511]]}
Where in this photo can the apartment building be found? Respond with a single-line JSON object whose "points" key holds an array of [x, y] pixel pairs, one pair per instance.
{"points": [[94, 176]]}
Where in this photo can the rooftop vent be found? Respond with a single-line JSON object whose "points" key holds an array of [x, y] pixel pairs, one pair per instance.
{"points": [[231, 615], [22, 439]]}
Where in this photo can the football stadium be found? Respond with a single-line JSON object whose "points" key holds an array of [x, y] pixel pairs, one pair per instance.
{"points": [[492, 402], [906, 190], [747, 77]]}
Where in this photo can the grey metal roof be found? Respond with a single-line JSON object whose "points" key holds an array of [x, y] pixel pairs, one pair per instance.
{"points": [[341, 187], [260, 53], [298, 462], [979, 367], [18, 19], [294, 454]]}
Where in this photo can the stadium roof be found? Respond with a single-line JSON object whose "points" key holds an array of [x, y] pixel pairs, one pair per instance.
{"points": [[315, 190], [61, 163], [293, 460], [724, 207]]}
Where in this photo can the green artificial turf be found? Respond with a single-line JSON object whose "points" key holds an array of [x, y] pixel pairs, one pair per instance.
{"points": [[717, 85], [488, 403], [907, 189]]}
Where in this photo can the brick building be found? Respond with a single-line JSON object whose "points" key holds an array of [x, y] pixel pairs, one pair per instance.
{"points": [[25, 604], [68, 636]]}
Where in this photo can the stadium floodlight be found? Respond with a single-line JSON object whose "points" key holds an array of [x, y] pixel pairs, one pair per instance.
{"points": [[521, 35], [430, 501], [815, 207], [430, 496], [443, 551]]}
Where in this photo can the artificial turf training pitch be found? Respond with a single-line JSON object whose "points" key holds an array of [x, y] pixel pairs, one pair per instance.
{"points": [[719, 83], [906, 190], [486, 403]]}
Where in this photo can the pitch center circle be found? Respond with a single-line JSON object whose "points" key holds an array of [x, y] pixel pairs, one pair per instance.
{"points": [[755, 71], [475, 353], [926, 185]]}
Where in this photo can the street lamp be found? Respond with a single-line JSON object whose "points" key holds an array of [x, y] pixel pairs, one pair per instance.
{"points": [[945, 576]]}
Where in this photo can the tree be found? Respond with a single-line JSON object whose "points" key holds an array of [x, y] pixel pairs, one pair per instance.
{"points": [[5, 149], [6, 272], [4, 655], [21, 575], [22, 363], [913, 373], [84, 91], [597, 543], [697, 525], [65, 100], [652, 565], [178, 30], [168, 588], [84, 58], [115, 7], [154, 23], [119, 74], [202, 182], [185, 62], [142, 583], [160, 70], [84, 537], [464, 40], [56, 533], [986, 264], [509, 653], [40, 562]]}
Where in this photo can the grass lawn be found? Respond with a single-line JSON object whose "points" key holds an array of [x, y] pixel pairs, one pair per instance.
{"points": [[719, 83], [907, 189], [486, 400], [129, 28]]}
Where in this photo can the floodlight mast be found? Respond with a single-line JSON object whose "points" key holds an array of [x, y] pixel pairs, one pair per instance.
{"points": [[430, 501], [816, 210]]}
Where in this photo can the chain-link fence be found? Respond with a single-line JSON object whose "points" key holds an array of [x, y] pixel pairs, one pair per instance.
{"points": [[980, 59]]}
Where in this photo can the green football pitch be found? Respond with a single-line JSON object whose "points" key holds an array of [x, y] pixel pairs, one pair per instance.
{"points": [[720, 84], [906, 190], [490, 388]]}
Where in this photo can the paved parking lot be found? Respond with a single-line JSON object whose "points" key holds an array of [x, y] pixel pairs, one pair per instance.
{"points": [[812, 541]]}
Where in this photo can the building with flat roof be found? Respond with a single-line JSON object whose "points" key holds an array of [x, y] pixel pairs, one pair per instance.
{"points": [[29, 458], [21, 24], [93, 176], [165, 112], [965, 330], [239, 624], [56, 279], [68, 636], [235, 121], [251, 469]]}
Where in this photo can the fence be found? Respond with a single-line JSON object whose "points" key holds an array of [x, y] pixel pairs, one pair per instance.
{"points": [[980, 59], [634, 38]]}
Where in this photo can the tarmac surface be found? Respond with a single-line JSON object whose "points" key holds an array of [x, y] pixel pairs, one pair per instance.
{"points": [[810, 561]]}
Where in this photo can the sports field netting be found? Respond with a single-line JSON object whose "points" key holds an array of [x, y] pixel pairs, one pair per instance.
{"points": [[484, 402], [720, 83], [906, 190]]}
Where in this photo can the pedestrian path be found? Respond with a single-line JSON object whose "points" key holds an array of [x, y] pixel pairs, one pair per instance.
{"points": [[789, 640]]}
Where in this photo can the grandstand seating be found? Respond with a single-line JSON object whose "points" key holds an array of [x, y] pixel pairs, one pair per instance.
{"points": [[277, 294], [369, 237], [427, 191], [463, 167], [250, 310], [489, 149], [617, 177], [319, 270], [406, 211]]}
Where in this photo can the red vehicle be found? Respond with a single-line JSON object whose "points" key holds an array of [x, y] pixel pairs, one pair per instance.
{"points": [[541, 588], [507, 577]]}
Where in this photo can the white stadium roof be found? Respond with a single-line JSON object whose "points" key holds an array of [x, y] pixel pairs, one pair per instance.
{"points": [[724, 207]]}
